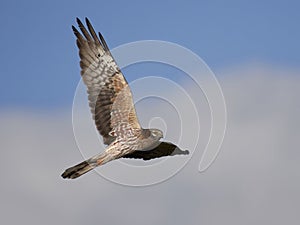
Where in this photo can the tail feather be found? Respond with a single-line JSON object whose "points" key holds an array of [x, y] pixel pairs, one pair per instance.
{"points": [[86, 166], [78, 170]]}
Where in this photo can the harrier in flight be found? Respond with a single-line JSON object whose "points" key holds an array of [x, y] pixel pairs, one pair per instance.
{"points": [[112, 107]]}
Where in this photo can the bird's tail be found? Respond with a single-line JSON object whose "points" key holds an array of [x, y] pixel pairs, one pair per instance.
{"points": [[87, 165]]}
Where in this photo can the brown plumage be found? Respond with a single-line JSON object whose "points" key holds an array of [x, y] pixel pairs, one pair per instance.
{"points": [[112, 107]]}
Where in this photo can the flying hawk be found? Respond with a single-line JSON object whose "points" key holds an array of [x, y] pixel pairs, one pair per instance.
{"points": [[112, 107]]}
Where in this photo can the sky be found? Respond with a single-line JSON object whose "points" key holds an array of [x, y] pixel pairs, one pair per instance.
{"points": [[39, 57], [252, 47]]}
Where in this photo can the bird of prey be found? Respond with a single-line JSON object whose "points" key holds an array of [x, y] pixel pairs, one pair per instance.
{"points": [[112, 107]]}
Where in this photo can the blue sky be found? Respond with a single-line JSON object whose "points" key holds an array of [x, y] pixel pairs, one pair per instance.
{"points": [[39, 59]]}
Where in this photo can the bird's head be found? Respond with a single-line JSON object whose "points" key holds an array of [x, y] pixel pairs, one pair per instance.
{"points": [[156, 134]]}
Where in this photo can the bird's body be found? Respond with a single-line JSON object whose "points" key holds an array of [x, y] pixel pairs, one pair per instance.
{"points": [[111, 104]]}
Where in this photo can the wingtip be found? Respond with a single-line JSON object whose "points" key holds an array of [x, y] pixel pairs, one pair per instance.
{"points": [[88, 23], [80, 24], [87, 20], [75, 30], [100, 35]]}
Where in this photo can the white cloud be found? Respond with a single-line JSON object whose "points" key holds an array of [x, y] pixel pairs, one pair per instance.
{"points": [[255, 179]]}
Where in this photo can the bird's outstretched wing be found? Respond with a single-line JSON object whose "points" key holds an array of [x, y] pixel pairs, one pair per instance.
{"points": [[109, 95], [163, 149]]}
